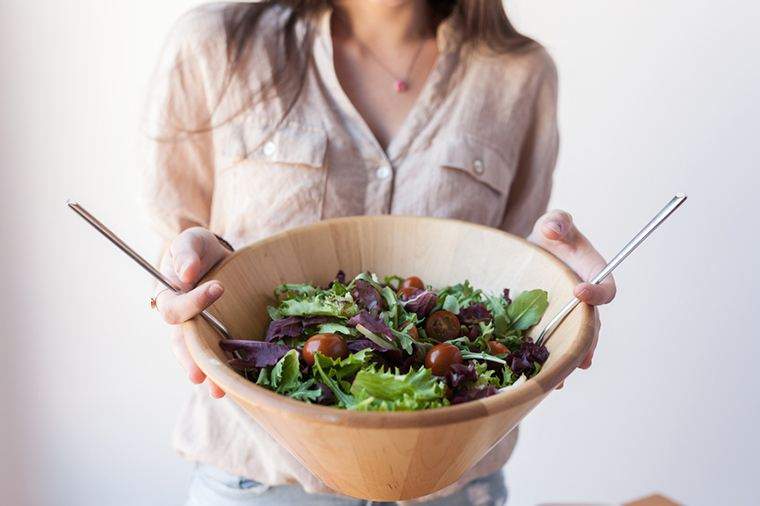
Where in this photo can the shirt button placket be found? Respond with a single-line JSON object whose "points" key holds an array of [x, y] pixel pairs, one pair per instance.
{"points": [[379, 190]]}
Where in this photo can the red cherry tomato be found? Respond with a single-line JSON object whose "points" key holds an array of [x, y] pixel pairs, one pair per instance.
{"points": [[408, 292], [413, 282], [329, 345], [496, 348], [442, 326], [441, 357]]}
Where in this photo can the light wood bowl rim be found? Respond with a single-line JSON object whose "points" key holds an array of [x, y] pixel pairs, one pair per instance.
{"points": [[237, 386]]}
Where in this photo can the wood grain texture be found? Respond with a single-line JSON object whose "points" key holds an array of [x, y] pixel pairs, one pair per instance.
{"points": [[388, 456]]}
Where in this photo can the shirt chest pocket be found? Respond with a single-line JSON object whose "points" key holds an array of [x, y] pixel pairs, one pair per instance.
{"points": [[270, 181], [470, 178]]}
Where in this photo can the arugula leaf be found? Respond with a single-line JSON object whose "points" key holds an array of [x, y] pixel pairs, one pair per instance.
{"points": [[307, 391], [383, 390], [467, 355], [390, 297], [378, 340], [345, 400], [464, 294], [286, 373], [527, 309]]}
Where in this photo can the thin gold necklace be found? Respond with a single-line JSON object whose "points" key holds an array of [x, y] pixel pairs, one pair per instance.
{"points": [[401, 84]]}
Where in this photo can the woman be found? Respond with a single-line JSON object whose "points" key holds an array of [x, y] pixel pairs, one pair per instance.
{"points": [[271, 115]]}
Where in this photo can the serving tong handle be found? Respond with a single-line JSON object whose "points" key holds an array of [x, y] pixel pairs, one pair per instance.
{"points": [[634, 243], [119, 243]]}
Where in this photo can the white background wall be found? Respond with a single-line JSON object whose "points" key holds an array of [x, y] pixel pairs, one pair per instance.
{"points": [[656, 97]]}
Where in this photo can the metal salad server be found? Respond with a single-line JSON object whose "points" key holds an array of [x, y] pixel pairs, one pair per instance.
{"points": [[89, 218], [634, 243]]}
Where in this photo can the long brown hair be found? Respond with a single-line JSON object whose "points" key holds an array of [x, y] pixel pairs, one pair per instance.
{"points": [[481, 23]]}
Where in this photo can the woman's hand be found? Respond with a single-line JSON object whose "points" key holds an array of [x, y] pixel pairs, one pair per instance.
{"points": [[190, 256], [556, 233]]}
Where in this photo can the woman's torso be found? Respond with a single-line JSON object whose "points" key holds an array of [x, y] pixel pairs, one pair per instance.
{"points": [[478, 145]]}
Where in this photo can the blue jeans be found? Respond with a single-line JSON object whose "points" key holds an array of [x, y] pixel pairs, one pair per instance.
{"points": [[213, 487]]}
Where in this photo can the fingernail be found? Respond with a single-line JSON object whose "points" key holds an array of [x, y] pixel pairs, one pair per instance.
{"points": [[215, 290]]}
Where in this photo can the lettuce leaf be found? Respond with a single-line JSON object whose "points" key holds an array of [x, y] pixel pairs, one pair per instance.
{"points": [[498, 308], [331, 372], [451, 304], [342, 368], [336, 306], [253, 354], [286, 373], [527, 309], [375, 390], [290, 290], [336, 328]]}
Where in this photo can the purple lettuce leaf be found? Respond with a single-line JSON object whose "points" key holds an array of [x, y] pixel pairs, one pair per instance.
{"points": [[505, 294], [475, 313], [360, 344], [460, 373], [293, 326], [372, 323], [422, 303], [521, 360], [290, 326], [473, 394], [367, 296], [253, 353], [327, 397], [313, 321]]}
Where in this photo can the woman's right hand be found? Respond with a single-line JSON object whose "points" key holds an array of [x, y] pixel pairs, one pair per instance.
{"points": [[190, 256]]}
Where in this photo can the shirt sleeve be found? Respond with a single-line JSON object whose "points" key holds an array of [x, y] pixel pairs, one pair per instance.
{"points": [[178, 176], [532, 185]]}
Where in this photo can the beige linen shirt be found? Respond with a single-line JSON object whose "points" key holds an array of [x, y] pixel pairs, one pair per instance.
{"points": [[479, 144]]}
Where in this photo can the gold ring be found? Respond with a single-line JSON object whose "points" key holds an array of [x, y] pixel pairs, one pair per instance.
{"points": [[154, 299]]}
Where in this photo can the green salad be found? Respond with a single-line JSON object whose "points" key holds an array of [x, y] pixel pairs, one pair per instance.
{"points": [[392, 344]]}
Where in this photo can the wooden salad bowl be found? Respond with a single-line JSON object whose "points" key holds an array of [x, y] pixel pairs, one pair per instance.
{"points": [[388, 456]]}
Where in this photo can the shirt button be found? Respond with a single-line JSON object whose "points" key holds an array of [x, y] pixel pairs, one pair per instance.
{"points": [[269, 149], [478, 167], [383, 172]]}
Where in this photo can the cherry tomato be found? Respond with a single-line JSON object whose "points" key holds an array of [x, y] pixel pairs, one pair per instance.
{"points": [[442, 326], [441, 357], [329, 345], [496, 348], [412, 330], [408, 292], [413, 282]]}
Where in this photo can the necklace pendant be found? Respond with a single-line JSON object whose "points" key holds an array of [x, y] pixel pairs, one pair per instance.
{"points": [[401, 86]]}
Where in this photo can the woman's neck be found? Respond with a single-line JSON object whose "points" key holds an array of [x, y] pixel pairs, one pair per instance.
{"points": [[384, 24]]}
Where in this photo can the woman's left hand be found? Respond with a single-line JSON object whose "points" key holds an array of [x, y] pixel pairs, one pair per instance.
{"points": [[556, 233]]}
